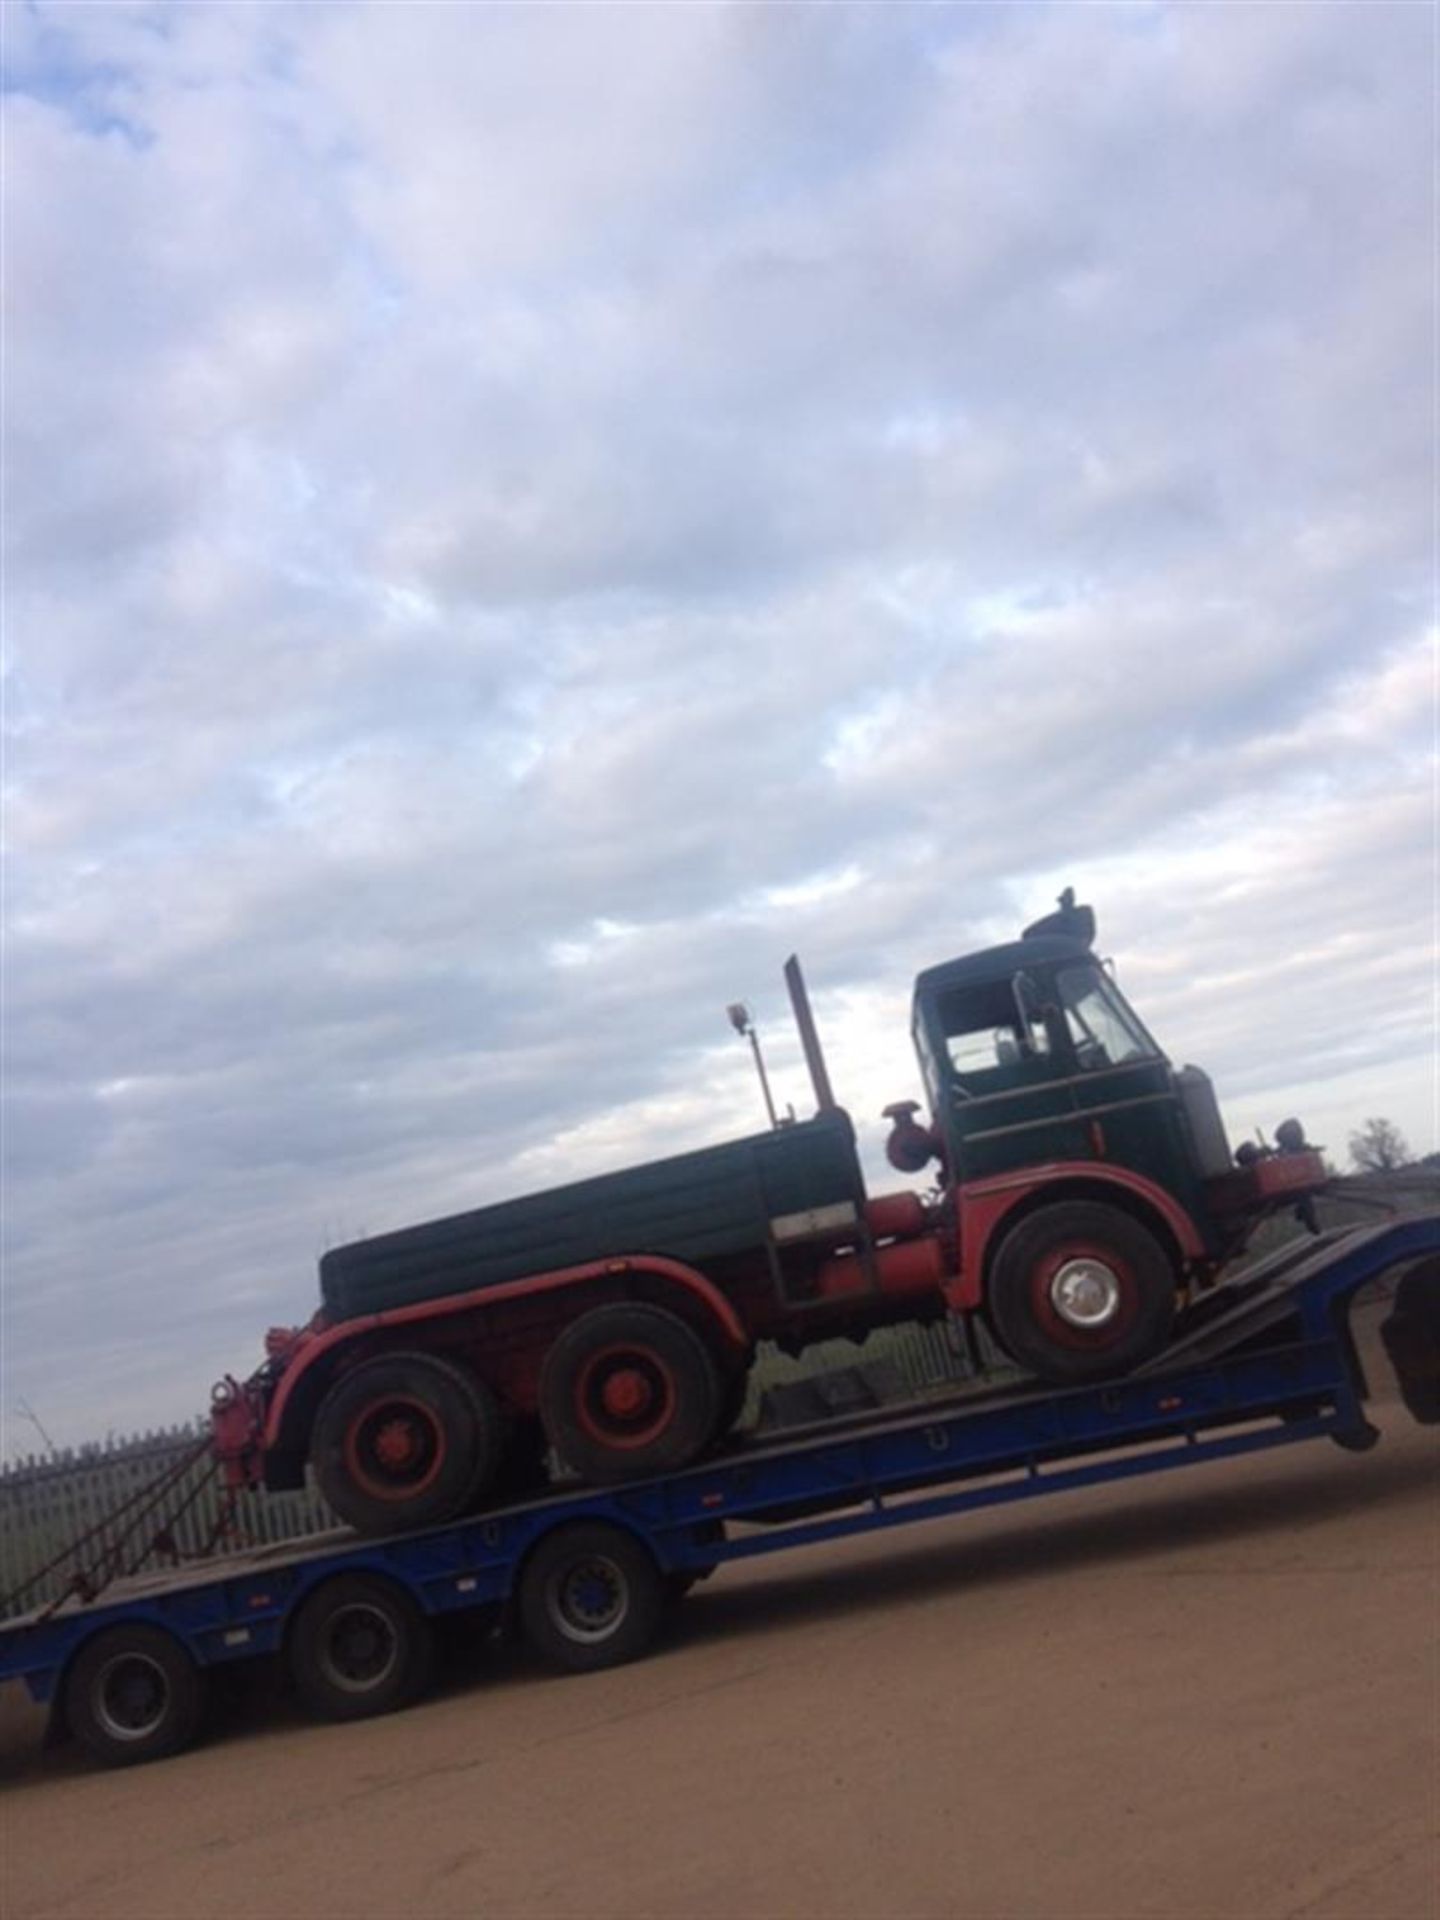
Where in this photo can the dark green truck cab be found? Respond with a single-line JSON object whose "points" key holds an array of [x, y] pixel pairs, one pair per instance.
{"points": [[1031, 1055]]}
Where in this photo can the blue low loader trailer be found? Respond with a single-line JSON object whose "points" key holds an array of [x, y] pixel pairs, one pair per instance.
{"points": [[1266, 1359]]}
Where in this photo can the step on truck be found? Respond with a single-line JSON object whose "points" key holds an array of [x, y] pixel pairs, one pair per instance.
{"points": [[588, 1575], [1085, 1194]]}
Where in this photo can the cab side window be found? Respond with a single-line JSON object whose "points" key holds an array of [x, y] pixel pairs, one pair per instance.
{"points": [[993, 1039]]}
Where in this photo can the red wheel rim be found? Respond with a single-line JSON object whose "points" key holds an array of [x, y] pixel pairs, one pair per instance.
{"points": [[395, 1447], [1053, 1323], [625, 1395]]}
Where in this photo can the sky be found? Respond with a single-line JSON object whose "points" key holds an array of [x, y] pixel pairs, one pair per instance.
{"points": [[519, 517]]}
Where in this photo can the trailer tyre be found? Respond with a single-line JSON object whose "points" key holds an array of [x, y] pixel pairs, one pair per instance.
{"points": [[134, 1694], [406, 1440], [359, 1646], [1411, 1335], [629, 1391], [590, 1596], [1081, 1291]]}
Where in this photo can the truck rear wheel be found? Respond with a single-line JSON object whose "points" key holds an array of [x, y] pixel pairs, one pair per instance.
{"points": [[1081, 1291], [590, 1596], [629, 1391], [359, 1646], [134, 1694], [405, 1440]]}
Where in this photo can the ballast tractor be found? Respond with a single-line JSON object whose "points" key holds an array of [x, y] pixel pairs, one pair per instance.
{"points": [[1085, 1193]]}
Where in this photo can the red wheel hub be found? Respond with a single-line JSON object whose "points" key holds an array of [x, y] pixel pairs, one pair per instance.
{"points": [[395, 1447], [397, 1443], [625, 1395], [1090, 1270], [626, 1392]]}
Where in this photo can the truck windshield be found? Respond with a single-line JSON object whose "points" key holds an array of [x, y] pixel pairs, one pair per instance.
{"points": [[1104, 1030]]}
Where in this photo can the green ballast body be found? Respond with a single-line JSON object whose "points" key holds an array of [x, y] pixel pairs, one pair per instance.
{"points": [[715, 1205]]}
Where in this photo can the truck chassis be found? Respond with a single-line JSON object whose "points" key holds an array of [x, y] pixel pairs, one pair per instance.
{"points": [[1265, 1360]]}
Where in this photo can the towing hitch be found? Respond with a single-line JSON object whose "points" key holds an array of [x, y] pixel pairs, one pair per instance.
{"points": [[237, 1426]]}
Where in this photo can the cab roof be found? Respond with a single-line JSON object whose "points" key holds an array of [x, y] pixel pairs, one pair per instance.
{"points": [[999, 963]]}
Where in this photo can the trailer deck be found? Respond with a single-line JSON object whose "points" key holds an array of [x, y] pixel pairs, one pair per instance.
{"points": [[1265, 1360]]}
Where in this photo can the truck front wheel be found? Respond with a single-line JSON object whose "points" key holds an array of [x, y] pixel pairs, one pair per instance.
{"points": [[1081, 1291], [405, 1440], [629, 1391]]}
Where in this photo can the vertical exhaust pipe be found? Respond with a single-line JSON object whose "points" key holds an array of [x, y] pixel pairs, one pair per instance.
{"points": [[809, 1039]]}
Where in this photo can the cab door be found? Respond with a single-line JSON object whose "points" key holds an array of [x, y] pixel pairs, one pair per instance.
{"points": [[1006, 1095]]}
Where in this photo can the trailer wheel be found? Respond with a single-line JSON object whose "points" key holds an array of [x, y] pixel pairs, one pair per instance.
{"points": [[1081, 1291], [359, 1646], [134, 1694], [590, 1596], [628, 1391], [405, 1440], [1411, 1335]]}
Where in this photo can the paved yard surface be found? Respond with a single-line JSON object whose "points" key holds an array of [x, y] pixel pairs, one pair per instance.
{"points": [[1211, 1695]]}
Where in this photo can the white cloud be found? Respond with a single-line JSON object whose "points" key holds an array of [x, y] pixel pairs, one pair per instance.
{"points": [[519, 518]]}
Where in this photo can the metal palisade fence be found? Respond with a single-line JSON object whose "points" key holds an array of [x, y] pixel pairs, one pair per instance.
{"points": [[47, 1502]]}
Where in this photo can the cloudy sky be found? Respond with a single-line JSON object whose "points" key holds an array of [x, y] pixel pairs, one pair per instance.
{"points": [[519, 516]]}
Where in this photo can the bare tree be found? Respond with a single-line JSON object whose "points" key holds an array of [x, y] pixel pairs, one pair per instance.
{"points": [[1379, 1147]]}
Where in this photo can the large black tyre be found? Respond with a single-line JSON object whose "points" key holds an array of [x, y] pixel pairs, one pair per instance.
{"points": [[590, 1596], [405, 1440], [1081, 1291], [628, 1391], [359, 1646], [133, 1693], [1411, 1335]]}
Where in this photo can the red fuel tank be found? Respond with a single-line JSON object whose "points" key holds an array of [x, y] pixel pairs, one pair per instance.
{"points": [[895, 1216], [906, 1268]]}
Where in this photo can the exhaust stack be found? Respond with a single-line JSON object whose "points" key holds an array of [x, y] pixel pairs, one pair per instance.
{"points": [[809, 1039]]}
